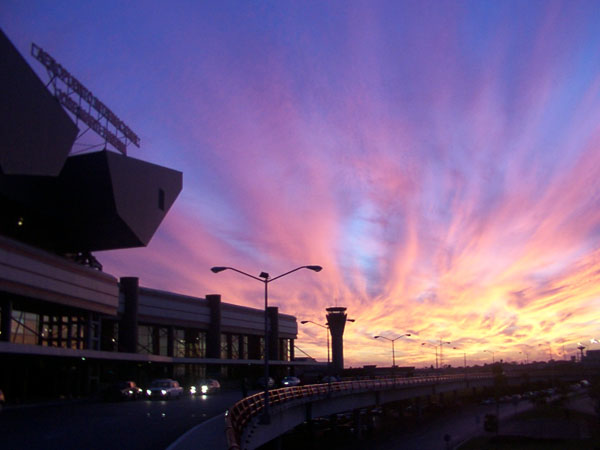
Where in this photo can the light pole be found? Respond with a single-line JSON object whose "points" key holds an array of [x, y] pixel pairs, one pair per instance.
{"points": [[266, 279], [441, 352], [393, 351], [436, 352], [526, 356], [326, 326], [489, 351]]}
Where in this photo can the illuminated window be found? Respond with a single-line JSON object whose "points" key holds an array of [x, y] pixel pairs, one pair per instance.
{"points": [[25, 327], [235, 347]]}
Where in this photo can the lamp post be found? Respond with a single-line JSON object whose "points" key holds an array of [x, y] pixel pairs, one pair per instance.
{"points": [[326, 326], [526, 356], [441, 352], [265, 279], [436, 352], [393, 351], [489, 351]]}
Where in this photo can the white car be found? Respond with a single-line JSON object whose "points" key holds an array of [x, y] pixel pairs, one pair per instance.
{"points": [[208, 386], [164, 389]]}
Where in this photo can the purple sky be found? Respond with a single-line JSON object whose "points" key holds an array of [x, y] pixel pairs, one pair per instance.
{"points": [[440, 160]]}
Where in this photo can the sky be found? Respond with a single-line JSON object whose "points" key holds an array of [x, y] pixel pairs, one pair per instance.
{"points": [[438, 159]]}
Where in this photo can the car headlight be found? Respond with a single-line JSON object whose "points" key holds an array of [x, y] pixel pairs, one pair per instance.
{"points": [[193, 390], [163, 392], [148, 392], [204, 389]]}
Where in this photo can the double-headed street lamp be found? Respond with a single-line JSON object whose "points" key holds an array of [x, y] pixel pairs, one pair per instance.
{"points": [[392, 341], [266, 279]]}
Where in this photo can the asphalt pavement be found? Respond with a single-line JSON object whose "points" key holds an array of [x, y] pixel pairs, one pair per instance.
{"points": [[134, 425]]}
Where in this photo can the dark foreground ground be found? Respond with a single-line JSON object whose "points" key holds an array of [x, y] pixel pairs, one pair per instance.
{"points": [[559, 426], [562, 423]]}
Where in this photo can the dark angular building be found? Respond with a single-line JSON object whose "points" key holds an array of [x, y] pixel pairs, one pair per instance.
{"points": [[66, 327]]}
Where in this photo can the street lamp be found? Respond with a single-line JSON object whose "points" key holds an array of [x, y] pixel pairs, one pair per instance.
{"points": [[326, 326], [442, 353], [526, 356], [392, 341], [489, 351], [266, 279], [436, 352]]}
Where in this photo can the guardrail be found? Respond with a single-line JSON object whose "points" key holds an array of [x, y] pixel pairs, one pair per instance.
{"points": [[242, 412]]}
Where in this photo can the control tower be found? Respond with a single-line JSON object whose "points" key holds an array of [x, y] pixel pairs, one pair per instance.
{"points": [[336, 320]]}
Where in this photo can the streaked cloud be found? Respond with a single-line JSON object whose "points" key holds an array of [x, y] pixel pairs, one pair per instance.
{"points": [[439, 161]]}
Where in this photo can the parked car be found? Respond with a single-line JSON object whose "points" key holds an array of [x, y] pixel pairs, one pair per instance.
{"points": [[208, 386], [164, 389], [124, 390], [261, 382], [290, 381]]}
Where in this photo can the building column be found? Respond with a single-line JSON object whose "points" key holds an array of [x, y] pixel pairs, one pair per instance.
{"points": [[128, 326], [273, 317], [5, 325], [213, 336]]}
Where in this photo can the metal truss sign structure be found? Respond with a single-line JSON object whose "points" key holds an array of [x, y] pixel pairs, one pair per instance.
{"points": [[122, 134]]}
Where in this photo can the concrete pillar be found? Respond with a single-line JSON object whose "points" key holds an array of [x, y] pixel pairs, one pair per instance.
{"points": [[292, 354], [5, 325], [213, 336], [336, 319], [128, 327], [273, 317]]}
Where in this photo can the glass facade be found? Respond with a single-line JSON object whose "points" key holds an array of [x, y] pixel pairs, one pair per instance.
{"points": [[163, 341], [244, 354], [224, 346], [179, 343], [66, 331], [235, 346], [195, 343], [145, 339], [25, 328]]}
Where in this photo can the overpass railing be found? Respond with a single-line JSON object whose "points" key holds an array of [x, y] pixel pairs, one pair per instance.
{"points": [[242, 412]]}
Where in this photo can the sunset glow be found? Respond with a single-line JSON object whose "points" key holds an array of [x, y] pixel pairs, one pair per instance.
{"points": [[441, 161]]}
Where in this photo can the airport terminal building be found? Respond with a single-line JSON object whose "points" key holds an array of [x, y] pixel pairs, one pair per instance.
{"points": [[66, 327]]}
